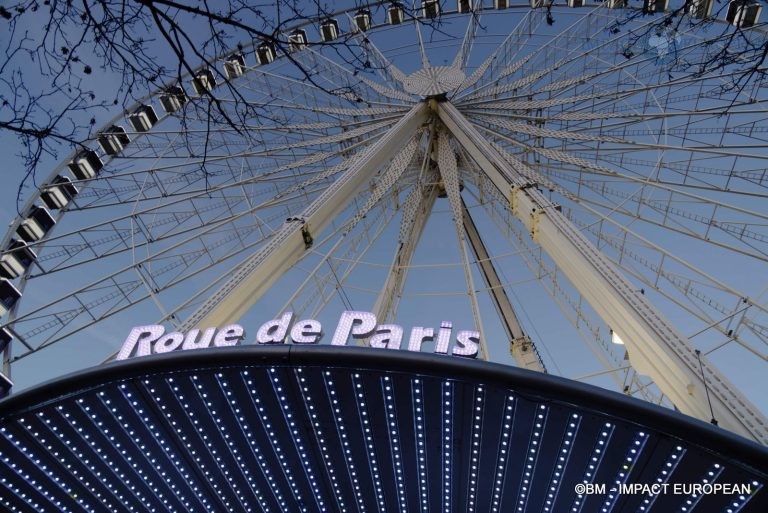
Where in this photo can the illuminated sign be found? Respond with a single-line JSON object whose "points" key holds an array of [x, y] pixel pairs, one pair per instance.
{"points": [[153, 339]]}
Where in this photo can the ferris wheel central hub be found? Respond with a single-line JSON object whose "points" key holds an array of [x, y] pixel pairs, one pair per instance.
{"points": [[434, 81]]}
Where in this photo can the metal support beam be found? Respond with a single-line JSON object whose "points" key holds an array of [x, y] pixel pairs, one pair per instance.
{"points": [[449, 172], [416, 209], [520, 345], [256, 274], [655, 347]]}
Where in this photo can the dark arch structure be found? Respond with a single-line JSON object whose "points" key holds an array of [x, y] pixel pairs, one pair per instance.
{"points": [[321, 428]]}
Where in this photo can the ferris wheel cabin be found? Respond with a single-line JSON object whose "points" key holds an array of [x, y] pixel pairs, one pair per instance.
{"points": [[143, 118], [743, 13], [265, 53], [9, 295], [363, 20], [395, 14], [203, 82], [58, 193], [699, 8], [113, 140], [329, 30], [85, 165], [16, 259], [37, 223], [430, 8], [234, 66], [173, 99], [297, 40]]}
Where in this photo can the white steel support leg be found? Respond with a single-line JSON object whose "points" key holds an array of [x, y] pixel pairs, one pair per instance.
{"points": [[416, 209], [655, 347], [521, 346], [446, 162], [254, 276]]}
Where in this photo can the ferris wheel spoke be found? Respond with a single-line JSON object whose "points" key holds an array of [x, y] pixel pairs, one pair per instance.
{"points": [[351, 86], [140, 233], [140, 237], [589, 105], [605, 92], [547, 60], [176, 178], [504, 61], [283, 143], [689, 291], [749, 227], [665, 272], [694, 287], [393, 94], [278, 151], [460, 59], [110, 295], [673, 212], [656, 203], [177, 183], [376, 60], [695, 177], [265, 90], [575, 308], [486, 121]]}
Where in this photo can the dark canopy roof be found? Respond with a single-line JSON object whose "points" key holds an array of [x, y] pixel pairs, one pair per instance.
{"points": [[292, 428]]}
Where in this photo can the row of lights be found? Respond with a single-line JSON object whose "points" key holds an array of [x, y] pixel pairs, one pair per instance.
{"points": [[417, 390], [168, 449], [531, 456], [394, 439], [368, 435], [342, 434], [13, 463], [563, 455], [138, 470], [595, 458], [505, 441], [245, 469], [177, 426], [310, 402], [475, 441], [290, 419], [669, 466], [253, 444], [630, 459], [447, 456]]}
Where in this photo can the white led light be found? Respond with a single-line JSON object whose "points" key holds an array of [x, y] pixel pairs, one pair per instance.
{"points": [[387, 336], [307, 331], [274, 331], [357, 324]]}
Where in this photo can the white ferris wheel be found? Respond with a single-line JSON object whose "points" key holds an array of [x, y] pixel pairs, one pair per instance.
{"points": [[435, 162]]}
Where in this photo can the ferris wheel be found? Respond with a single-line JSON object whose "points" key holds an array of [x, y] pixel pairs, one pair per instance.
{"points": [[430, 162]]}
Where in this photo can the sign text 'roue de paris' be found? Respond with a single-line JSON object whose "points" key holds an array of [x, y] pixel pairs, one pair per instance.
{"points": [[153, 339]]}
